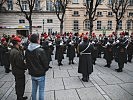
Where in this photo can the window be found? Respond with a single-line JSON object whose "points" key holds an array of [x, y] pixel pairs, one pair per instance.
{"points": [[24, 5], [110, 14], [75, 1], [49, 5], [120, 13], [99, 24], [49, 21], [37, 5], [110, 2], [128, 24], [120, 24], [49, 31], [75, 25], [130, 2], [87, 24], [76, 13], [109, 27], [100, 1], [21, 21], [10, 4], [130, 14], [87, 1], [99, 13]]}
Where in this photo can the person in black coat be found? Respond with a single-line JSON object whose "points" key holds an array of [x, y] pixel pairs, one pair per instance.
{"points": [[5, 54], [108, 51], [85, 66], [130, 50], [18, 68], [46, 46], [37, 64], [94, 52], [70, 50], [59, 53], [121, 55]]}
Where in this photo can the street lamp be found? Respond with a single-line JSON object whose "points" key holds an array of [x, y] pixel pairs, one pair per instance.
{"points": [[43, 25]]}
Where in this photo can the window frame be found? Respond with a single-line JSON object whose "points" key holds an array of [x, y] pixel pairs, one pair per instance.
{"points": [[99, 27], [75, 25]]}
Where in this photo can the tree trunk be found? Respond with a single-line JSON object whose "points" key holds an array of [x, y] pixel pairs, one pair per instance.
{"points": [[117, 27], [0, 7], [91, 27], [61, 27], [30, 26]]}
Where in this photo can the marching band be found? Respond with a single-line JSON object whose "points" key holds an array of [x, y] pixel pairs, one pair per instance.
{"points": [[118, 48]]}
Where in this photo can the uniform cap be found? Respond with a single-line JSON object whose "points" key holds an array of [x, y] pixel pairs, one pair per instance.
{"points": [[3, 39], [16, 38], [57, 36], [110, 35], [13, 36], [100, 35], [45, 36], [85, 37]]}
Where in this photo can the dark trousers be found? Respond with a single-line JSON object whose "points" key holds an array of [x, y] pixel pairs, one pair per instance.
{"points": [[108, 62], [121, 65], [20, 85], [85, 77], [129, 58]]}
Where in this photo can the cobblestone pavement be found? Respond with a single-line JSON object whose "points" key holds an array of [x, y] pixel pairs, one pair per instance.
{"points": [[64, 83]]}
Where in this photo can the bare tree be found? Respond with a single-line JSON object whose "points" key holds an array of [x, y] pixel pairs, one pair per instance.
{"points": [[60, 8], [27, 14], [1, 4], [91, 7], [118, 7]]}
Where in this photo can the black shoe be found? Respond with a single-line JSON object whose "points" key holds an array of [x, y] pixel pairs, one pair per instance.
{"points": [[61, 64], [73, 63], [50, 67], [106, 66], [84, 80], [69, 63], [22, 98], [25, 97], [119, 70], [58, 64], [129, 61], [7, 70]]}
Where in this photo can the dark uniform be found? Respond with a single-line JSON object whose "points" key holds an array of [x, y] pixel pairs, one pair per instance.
{"points": [[108, 54], [59, 52], [121, 55], [94, 52], [18, 70], [46, 47], [5, 55], [130, 50], [70, 50], [85, 60]]}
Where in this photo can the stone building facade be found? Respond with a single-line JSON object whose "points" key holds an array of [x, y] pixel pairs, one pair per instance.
{"points": [[76, 20]]}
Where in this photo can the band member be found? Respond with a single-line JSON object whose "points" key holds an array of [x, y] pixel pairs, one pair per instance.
{"points": [[18, 68], [5, 54], [121, 55], [59, 50], [85, 66], [94, 51], [46, 46], [108, 51], [130, 49], [70, 50]]}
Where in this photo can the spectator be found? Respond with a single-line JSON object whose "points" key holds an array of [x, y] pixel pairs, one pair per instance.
{"points": [[37, 64]]}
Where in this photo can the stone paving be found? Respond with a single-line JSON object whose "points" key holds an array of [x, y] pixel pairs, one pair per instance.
{"points": [[64, 83]]}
